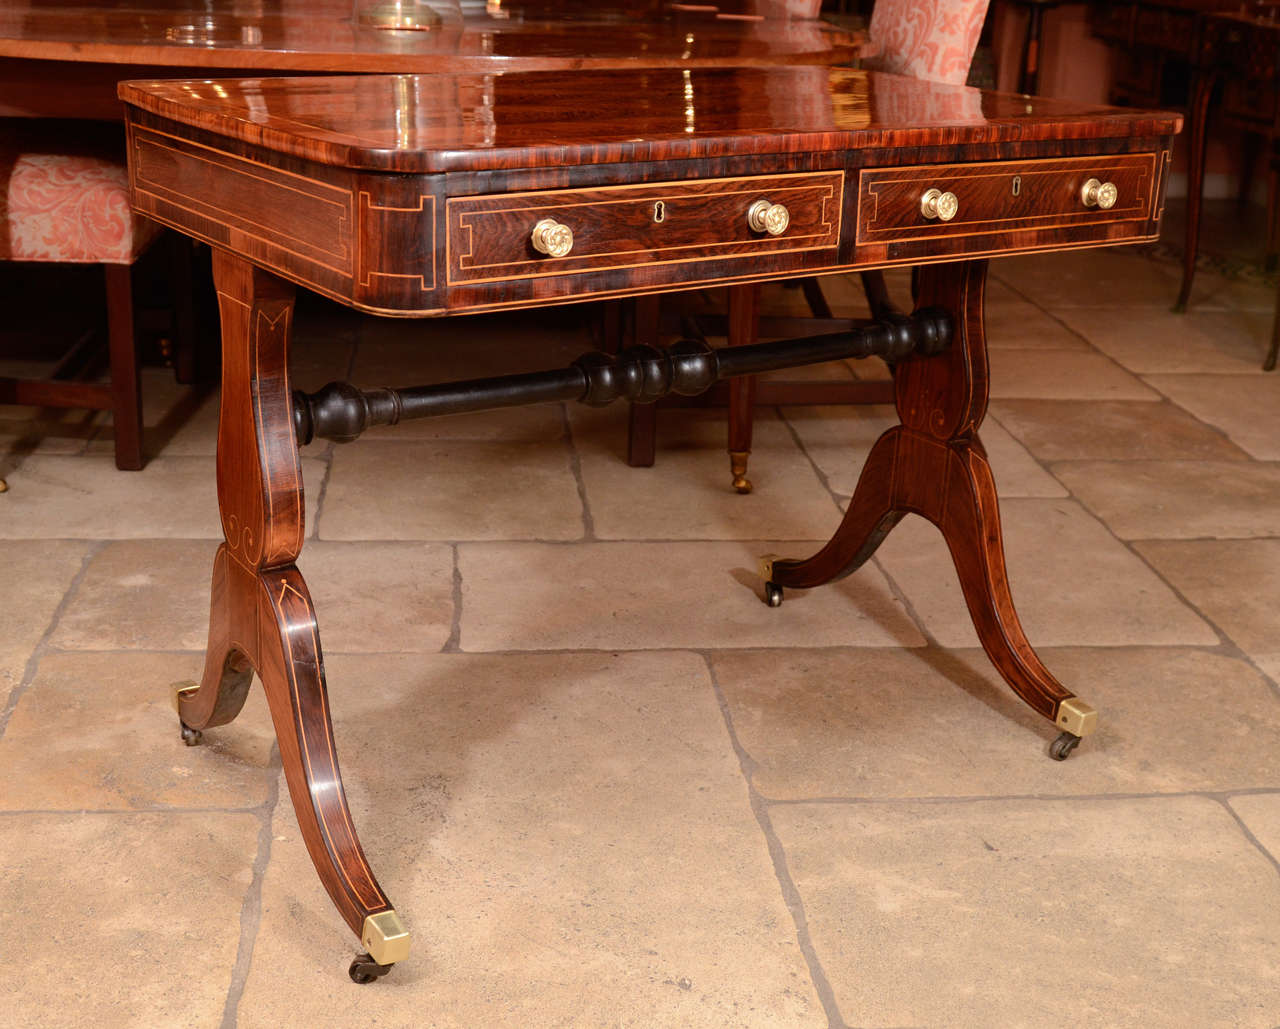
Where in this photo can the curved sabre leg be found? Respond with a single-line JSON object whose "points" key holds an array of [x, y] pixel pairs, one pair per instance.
{"points": [[970, 523], [933, 464], [261, 615], [869, 519]]}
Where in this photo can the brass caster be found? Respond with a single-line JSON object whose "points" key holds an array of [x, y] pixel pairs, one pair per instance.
{"points": [[1061, 748], [191, 737], [773, 594], [365, 970], [738, 469], [4, 486]]}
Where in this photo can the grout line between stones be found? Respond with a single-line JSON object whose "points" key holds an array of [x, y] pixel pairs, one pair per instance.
{"points": [[42, 645], [575, 466], [251, 908], [453, 644], [777, 854], [1225, 801], [982, 798]]}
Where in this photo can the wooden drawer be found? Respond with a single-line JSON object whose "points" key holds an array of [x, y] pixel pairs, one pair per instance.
{"points": [[489, 237], [1001, 198]]}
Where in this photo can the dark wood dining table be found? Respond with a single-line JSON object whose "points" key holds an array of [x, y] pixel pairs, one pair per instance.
{"points": [[61, 59], [430, 196]]}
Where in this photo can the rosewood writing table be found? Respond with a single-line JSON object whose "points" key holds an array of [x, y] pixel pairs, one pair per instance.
{"points": [[442, 195]]}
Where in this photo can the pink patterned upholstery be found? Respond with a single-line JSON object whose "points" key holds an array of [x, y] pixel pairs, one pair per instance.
{"points": [[67, 208], [927, 39]]}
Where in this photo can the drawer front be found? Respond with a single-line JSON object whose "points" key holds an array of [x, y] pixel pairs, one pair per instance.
{"points": [[490, 237], [1001, 198]]}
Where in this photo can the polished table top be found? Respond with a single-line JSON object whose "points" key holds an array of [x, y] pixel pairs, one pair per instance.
{"points": [[456, 122], [339, 35]]}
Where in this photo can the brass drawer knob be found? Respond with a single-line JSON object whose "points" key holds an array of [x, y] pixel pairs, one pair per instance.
{"points": [[1102, 195], [764, 216], [552, 238], [937, 204]]}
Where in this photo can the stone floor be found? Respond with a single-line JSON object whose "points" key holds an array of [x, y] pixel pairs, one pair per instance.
{"points": [[604, 784]]}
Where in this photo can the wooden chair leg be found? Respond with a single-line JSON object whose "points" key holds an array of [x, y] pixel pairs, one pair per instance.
{"points": [[1197, 117], [126, 384], [815, 298], [642, 419], [186, 363], [744, 322], [1269, 363]]}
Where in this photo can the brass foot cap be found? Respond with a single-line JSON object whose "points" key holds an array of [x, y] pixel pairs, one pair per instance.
{"points": [[179, 688], [764, 565], [1075, 716], [385, 937]]}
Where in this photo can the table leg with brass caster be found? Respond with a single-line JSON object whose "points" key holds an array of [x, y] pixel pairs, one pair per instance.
{"points": [[261, 615], [933, 465], [191, 737]]}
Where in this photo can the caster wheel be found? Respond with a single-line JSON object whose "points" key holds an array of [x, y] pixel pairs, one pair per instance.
{"points": [[773, 594], [365, 970], [191, 737], [1061, 748]]}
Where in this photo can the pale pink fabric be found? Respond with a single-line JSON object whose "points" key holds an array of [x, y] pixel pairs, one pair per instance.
{"points": [[926, 39], [68, 208]]}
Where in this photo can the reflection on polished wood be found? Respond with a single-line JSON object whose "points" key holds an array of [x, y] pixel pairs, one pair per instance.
{"points": [[328, 35], [420, 196], [460, 122]]}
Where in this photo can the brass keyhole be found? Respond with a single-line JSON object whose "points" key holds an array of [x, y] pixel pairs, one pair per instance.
{"points": [[1017, 185], [659, 212]]}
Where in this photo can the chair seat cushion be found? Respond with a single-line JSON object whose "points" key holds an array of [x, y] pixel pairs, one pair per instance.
{"points": [[67, 205]]}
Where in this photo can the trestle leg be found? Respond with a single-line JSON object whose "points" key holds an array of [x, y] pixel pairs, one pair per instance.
{"points": [[933, 465], [261, 615]]}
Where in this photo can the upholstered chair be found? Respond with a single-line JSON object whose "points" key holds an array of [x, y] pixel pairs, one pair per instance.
{"points": [[64, 200]]}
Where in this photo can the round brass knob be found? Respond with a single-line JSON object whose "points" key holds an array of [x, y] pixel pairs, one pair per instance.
{"points": [[552, 238], [1099, 194], [764, 216], [940, 205]]}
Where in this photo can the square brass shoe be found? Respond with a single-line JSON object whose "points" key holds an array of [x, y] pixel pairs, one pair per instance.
{"points": [[765, 566], [179, 688], [1075, 716], [385, 937]]}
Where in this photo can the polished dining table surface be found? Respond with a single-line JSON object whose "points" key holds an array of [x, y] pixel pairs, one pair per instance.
{"points": [[345, 35], [62, 59]]}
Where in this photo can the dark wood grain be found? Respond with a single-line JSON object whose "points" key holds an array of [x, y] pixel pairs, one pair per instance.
{"points": [[293, 175], [549, 120], [262, 618], [933, 464]]}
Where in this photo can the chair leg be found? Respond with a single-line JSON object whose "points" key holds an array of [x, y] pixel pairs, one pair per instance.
{"points": [[126, 385], [186, 364], [642, 419], [744, 321], [1269, 363]]}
